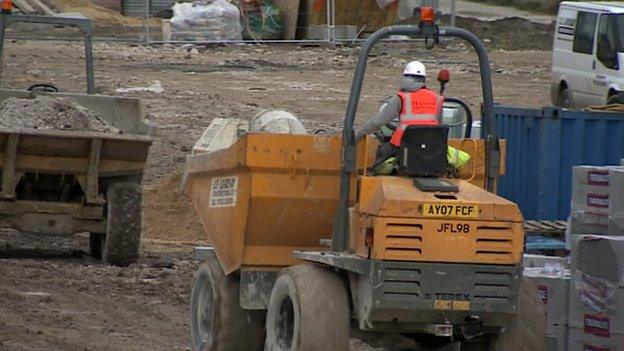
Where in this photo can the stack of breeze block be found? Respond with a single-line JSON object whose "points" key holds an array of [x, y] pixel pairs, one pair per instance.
{"points": [[585, 301], [596, 236]]}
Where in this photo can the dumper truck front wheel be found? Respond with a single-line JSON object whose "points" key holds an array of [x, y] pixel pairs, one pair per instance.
{"points": [[218, 323], [122, 242], [308, 310]]}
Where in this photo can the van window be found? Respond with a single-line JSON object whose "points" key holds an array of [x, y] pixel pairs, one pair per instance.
{"points": [[608, 41], [584, 33]]}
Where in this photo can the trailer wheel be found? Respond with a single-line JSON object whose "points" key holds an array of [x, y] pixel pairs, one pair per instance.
{"points": [[218, 323], [122, 242], [308, 310]]}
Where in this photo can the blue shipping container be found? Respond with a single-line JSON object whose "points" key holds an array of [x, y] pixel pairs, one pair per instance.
{"points": [[543, 145]]}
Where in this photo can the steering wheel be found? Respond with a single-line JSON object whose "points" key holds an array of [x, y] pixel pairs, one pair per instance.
{"points": [[48, 88]]}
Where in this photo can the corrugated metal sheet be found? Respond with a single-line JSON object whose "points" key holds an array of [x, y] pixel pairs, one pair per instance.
{"points": [[542, 147], [136, 8]]}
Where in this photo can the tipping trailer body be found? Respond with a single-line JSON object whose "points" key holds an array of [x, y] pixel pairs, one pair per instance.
{"points": [[56, 182], [270, 194]]}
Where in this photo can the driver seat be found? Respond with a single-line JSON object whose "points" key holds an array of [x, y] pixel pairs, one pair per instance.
{"points": [[423, 151]]}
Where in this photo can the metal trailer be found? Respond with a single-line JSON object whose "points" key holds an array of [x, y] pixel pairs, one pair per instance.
{"points": [[270, 202], [64, 182]]}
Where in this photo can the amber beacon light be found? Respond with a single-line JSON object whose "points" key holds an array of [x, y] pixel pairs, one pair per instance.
{"points": [[427, 14]]}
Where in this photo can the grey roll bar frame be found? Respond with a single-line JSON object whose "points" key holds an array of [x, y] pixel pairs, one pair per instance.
{"points": [[84, 24], [349, 149]]}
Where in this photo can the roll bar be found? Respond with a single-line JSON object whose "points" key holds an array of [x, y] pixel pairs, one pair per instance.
{"points": [[349, 152], [80, 22]]}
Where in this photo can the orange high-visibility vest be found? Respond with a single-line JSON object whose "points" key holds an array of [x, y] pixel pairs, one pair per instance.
{"points": [[421, 107], [7, 6]]}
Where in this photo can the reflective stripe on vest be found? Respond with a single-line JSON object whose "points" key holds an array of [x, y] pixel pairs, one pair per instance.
{"points": [[421, 107]]}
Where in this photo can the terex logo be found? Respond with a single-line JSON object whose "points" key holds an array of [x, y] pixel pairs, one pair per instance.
{"points": [[447, 296]]}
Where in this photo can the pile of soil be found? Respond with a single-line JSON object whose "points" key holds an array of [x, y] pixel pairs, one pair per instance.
{"points": [[100, 15], [168, 215], [528, 330], [512, 33], [50, 113]]}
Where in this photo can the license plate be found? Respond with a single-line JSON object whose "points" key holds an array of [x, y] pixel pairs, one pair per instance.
{"points": [[454, 211]]}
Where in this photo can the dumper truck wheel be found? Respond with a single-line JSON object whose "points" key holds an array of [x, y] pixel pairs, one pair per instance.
{"points": [[122, 242], [308, 310], [218, 323]]}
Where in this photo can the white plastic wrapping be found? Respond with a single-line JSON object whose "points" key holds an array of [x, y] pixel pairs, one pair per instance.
{"points": [[595, 294], [552, 281], [276, 122], [206, 20]]}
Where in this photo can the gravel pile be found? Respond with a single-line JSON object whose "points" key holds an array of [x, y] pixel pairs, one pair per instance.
{"points": [[50, 113]]}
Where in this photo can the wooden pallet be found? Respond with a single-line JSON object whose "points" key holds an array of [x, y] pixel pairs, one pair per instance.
{"points": [[546, 228]]}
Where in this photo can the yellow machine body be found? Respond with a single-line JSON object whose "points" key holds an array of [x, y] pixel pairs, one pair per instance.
{"points": [[270, 194], [404, 223]]}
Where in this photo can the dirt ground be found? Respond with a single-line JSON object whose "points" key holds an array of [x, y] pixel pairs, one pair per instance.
{"points": [[54, 297]]}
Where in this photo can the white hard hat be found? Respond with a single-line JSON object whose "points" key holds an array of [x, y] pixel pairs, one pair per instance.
{"points": [[415, 68]]}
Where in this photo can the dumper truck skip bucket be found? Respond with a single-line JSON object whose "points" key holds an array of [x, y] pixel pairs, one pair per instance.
{"points": [[267, 201], [64, 182]]}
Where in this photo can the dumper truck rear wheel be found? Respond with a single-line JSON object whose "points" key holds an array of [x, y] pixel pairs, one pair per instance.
{"points": [[308, 310], [218, 323], [122, 242]]}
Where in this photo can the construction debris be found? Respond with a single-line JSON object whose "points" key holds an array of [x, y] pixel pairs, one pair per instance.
{"points": [[276, 122], [155, 88], [216, 20], [223, 132], [50, 113], [168, 213]]}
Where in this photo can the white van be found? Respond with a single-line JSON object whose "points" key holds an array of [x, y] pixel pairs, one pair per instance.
{"points": [[588, 54]]}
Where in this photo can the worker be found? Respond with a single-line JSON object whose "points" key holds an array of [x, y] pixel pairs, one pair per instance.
{"points": [[414, 104]]}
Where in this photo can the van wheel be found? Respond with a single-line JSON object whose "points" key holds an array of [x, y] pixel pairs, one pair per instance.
{"points": [[565, 98], [218, 322], [308, 310]]}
